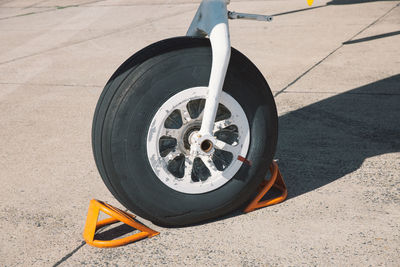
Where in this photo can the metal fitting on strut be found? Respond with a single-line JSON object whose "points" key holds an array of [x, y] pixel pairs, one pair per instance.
{"points": [[237, 15]]}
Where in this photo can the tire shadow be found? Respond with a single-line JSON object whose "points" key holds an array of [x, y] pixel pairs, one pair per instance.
{"points": [[323, 142], [327, 140]]}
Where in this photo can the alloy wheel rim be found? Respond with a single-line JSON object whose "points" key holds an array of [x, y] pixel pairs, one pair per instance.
{"points": [[168, 142]]}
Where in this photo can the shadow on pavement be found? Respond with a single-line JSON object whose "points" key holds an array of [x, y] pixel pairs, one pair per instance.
{"points": [[297, 10], [333, 2], [350, 2], [324, 141], [115, 232], [370, 38]]}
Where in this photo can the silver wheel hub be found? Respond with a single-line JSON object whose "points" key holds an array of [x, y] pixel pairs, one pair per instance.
{"points": [[187, 161]]}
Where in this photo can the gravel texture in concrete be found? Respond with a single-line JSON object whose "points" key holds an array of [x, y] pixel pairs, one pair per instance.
{"points": [[334, 69]]}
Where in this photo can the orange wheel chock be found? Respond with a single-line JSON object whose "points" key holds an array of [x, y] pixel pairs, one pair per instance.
{"points": [[117, 215], [275, 181]]}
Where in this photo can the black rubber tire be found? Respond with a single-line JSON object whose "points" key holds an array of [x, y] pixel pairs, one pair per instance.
{"points": [[130, 100]]}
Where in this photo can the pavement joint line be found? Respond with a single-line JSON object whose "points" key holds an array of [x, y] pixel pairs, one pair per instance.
{"points": [[52, 8], [331, 53], [180, 3], [373, 23], [88, 5], [191, 3], [142, 5], [51, 84], [29, 13], [146, 22], [22, 8], [66, 257], [174, 14]]}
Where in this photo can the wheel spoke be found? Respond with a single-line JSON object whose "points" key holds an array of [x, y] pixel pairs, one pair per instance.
{"points": [[219, 125], [174, 133], [210, 165], [173, 154], [188, 169], [226, 147], [185, 115]]}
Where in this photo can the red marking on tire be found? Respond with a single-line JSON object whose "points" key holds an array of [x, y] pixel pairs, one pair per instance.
{"points": [[244, 160]]}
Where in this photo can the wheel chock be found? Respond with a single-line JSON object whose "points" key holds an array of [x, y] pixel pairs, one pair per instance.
{"points": [[117, 215], [275, 181]]}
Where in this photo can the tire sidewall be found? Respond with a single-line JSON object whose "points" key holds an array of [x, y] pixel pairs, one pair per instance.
{"points": [[128, 120]]}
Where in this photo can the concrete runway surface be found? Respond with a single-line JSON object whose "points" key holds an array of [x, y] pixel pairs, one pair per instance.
{"points": [[335, 71]]}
